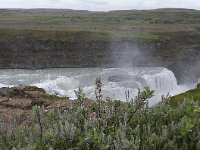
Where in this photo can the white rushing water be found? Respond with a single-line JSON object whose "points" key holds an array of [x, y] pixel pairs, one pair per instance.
{"points": [[116, 81]]}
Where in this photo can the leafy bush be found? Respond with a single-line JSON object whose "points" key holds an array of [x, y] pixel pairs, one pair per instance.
{"points": [[108, 125]]}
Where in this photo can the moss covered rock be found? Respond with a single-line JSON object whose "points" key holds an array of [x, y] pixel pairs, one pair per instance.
{"points": [[34, 88]]}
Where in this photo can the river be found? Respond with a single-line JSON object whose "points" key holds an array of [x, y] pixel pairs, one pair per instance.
{"points": [[116, 81]]}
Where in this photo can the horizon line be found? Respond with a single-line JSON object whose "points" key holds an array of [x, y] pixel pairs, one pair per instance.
{"points": [[43, 8]]}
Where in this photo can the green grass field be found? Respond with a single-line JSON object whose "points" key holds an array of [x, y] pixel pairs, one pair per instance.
{"points": [[127, 24]]}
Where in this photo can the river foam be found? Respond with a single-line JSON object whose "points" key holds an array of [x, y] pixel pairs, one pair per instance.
{"points": [[116, 81]]}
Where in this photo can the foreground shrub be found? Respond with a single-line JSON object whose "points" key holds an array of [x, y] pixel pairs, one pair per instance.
{"points": [[108, 125]]}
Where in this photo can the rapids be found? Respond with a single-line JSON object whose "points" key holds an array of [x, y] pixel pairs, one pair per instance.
{"points": [[116, 81]]}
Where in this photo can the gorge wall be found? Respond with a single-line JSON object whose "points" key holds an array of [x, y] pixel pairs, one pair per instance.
{"points": [[179, 52]]}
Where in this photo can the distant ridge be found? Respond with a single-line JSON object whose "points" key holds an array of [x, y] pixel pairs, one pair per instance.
{"points": [[87, 11], [175, 9], [159, 10]]}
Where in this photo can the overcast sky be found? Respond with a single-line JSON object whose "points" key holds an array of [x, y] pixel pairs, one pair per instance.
{"points": [[102, 5]]}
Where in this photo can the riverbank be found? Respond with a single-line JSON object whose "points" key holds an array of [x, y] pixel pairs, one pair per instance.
{"points": [[20, 100]]}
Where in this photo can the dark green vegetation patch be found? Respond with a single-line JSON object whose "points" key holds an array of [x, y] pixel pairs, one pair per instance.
{"points": [[193, 94], [34, 88]]}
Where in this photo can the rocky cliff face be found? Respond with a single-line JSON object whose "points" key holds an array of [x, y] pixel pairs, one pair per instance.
{"points": [[179, 52]]}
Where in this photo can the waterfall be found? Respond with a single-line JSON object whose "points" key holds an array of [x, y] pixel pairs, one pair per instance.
{"points": [[163, 81], [116, 81]]}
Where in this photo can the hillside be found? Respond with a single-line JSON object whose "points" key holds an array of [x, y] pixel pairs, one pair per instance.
{"points": [[44, 38], [193, 94]]}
